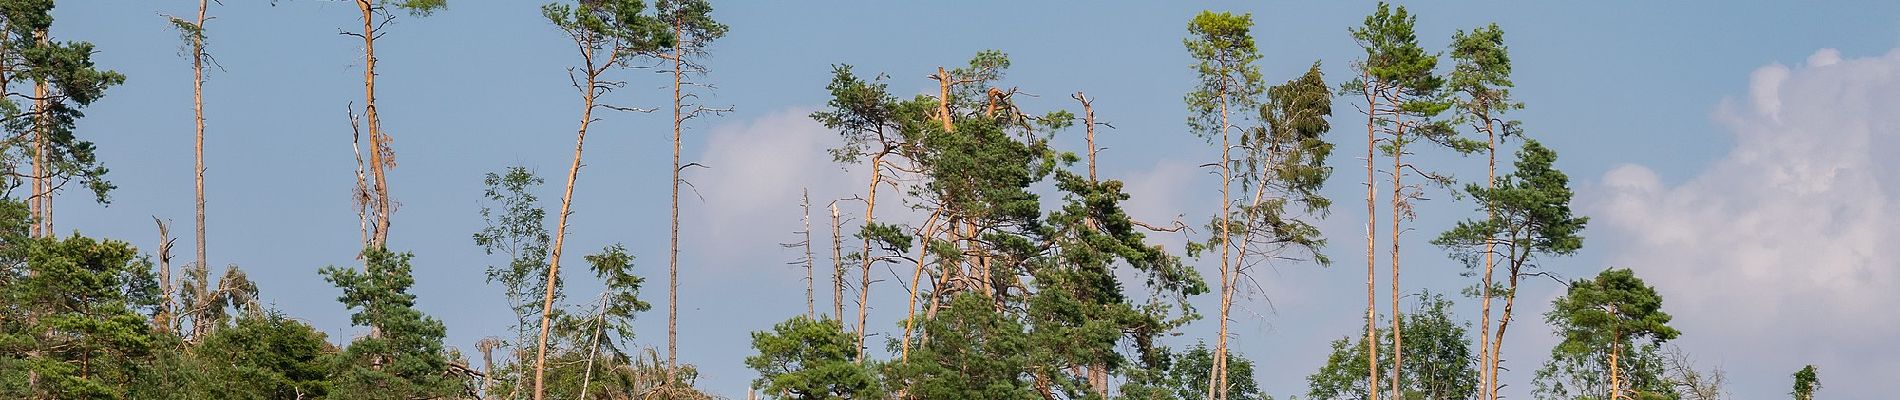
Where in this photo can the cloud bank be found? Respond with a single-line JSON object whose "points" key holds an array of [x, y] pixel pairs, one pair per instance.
{"points": [[1786, 251]]}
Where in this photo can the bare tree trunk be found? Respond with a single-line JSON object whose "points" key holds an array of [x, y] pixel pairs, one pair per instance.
{"points": [[1398, 214], [673, 247], [588, 94], [1372, 219], [1504, 321], [487, 347], [1217, 377], [1098, 372], [380, 155], [923, 246], [198, 109], [1616, 382], [162, 321], [811, 274], [1484, 292], [593, 348], [42, 204], [837, 265]]}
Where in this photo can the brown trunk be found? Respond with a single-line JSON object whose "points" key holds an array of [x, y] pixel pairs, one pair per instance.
{"points": [[917, 276], [42, 204], [1398, 206], [1616, 382], [870, 207], [380, 155], [198, 109], [1217, 377], [588, 94], [673, 247], [1372, 219], [1484, 324], [1088, 118], [1504, 321]]}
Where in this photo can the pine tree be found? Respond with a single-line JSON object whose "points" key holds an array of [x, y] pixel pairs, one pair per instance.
{"points": [[403, 357], [1223, 48], [65, 81], [374, 205], [1611, 326], [1482, 79], [694, 30]]}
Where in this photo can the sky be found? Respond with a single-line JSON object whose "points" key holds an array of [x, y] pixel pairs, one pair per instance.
{"points": [[1726, 151]]}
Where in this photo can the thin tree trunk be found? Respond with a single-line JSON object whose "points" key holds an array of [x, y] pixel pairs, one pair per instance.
{"points": [[673, 247], [1217, 377], [1504, 321], [923, 246], [560, 228], [593, 348], [1484, 324], [1098, 372], [811, 274], [42, 203], [198, 109], [1398, 205], [162, 320], [837, 265], [1372, 219], [380, 157], [1616, 382]]}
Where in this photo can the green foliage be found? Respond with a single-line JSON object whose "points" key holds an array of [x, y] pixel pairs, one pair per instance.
{"points": [[1530, 214], [519, 230], [810, 359], [403, 356], [1395, 61], [418, 8], [1614, 314], [1437, 355], [1482, 76], [968, 351], [70, 317], [1184, 377], [623, 29], [265, 356], [1224, 53], [73, 82], [1806, 382]]}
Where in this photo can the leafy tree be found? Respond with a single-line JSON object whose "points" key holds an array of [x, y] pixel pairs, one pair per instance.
{"points": [[402, 357], [1185, 378], [262, 356], [808, 359], [515, 225], [1481, 81], [1528, 218], [969, 351], [1806, 382], [70, 315], [1224, 52], [1611, 327], [1442, 367], [41, 138]]}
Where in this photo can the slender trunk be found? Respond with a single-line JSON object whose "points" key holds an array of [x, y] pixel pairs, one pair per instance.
{"points": [[198, 109], [42, 203], [1372, 219], [1616, 382], [593, 348], [1217, 377], [837, 266], [1504, 321], [380, 156], [811, 274], [588, 94], [1088, 118], [917, 276], [673, 247], [870, 207], [162, 321], [1398, 206], [1484, 292]]}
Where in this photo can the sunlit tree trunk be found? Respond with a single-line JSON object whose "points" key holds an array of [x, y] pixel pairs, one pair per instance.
{"points": [[198, 109], [1372, 218]]}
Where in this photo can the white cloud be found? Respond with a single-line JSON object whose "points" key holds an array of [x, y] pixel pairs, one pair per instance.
{"points": [[1787, 250], [755, 170]]}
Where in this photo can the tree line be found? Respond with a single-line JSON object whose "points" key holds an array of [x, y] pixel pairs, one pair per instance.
{"points": [[1004, 300]]}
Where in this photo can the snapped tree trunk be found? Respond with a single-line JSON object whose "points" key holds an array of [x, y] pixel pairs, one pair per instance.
{"points": [[198, 109]]}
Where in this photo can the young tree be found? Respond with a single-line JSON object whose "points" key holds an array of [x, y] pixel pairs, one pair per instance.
{"points": [[1611, 326], [1441, 359], [1223, 48], [1806, 382], [694, 30], [372, 192], [809, 359], [1186, 378], [1482, 82], [609, 35], [515, 225], [403, 357], [1528, 217]]}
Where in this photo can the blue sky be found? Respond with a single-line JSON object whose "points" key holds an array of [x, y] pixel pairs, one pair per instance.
{"points": [[1658, 110]]}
